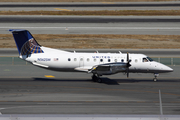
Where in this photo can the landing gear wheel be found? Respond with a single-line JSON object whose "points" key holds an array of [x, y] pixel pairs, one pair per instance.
{"points": [[155, 77], [99, 80], [94, 78]]}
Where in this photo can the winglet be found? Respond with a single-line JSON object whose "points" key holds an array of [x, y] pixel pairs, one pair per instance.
{"points": [[25, 42]]}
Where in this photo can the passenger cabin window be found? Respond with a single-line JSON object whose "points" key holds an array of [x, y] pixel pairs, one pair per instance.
{"points": [[101, 60], [88, 59], [115, 60], [94, 60], [81, 59], [122, 60], [75, 59], [109, 60], [69, 59]]}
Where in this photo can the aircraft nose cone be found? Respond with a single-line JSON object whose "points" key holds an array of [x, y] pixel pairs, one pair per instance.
{"points": [[163, 68], [167, 69]]}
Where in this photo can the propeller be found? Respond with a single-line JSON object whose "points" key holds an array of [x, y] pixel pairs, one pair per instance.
{"points": [[128, 65]]}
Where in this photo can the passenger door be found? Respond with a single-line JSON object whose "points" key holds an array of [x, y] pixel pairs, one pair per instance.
{"points": [[81, 61]]}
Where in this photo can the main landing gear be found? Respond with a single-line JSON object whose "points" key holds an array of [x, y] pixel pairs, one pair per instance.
{"points": [[155, 77], [96, 78]]}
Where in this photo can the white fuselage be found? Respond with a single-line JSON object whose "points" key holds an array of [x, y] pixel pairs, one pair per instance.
{"points": [[82, 62]]}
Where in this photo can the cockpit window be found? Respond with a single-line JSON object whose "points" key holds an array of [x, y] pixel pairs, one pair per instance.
{"points": [[145, 60], [150, 59]]}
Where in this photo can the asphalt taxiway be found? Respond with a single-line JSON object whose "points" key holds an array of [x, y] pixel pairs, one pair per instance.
{"points": [[26, 89], [40, 24], [82, 6]]}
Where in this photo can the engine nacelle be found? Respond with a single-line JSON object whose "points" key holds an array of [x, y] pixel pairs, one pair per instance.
{"points": [[108, 69]]}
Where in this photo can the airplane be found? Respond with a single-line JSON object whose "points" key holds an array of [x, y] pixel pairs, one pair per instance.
{"points": [[97, 64]]}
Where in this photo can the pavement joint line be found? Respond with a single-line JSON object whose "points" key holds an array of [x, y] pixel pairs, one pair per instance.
{"points": [[72, 101], [141, 101], [123, 101], [96, 101], [105, 101], [171, 94], [20, 101]]}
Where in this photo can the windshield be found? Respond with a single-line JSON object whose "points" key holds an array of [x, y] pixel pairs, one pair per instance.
{"points": [[147, 59], [150, 59]]}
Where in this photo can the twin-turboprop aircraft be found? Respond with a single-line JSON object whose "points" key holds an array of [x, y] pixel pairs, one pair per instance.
{"points": [[96, 63]]}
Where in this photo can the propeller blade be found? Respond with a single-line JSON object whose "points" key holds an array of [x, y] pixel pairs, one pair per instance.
{"points": [[127, 57], [128, 65]]}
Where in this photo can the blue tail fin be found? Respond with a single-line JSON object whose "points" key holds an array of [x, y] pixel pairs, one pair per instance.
{"points": [[25, 42]]}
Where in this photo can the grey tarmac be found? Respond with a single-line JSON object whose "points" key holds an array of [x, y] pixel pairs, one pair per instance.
{"points": [[149, 25], [74, 6], [26, 89]]}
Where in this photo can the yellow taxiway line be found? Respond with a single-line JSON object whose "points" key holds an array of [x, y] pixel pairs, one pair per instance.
{"points": [[49, 76], [62, 9]]}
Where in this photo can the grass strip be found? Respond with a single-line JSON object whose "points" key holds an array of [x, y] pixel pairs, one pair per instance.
{"points": [[102, 12], [99, 41]]}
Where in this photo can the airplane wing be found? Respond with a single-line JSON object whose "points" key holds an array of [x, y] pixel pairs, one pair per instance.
{"points": [[108, 69], [83, 69]]}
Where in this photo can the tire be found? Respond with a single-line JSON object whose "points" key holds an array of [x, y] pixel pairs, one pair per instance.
{"points": [[99, 80], [94, 78]]}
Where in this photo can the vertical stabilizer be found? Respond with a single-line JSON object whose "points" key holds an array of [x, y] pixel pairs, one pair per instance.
{"points": [[25, 42]]}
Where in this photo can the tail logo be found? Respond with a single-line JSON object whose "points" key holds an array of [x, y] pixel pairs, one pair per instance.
{"points": [[31, 47]]}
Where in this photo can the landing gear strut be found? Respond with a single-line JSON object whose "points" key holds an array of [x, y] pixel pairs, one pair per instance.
{"points": [[96, 78], [155, 77]]}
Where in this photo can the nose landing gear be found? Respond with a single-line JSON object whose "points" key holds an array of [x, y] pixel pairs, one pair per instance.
{"points": [[155, 77]]}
